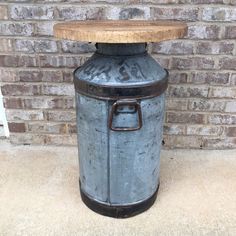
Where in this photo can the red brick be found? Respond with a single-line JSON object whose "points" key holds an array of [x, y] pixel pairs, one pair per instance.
{"points": [[233, 2], [8, 75], [54, 128], [207, 105], [172, 47], [3, 13], [203, 130], [16, 127], [43, 103], [34, 46], [227, 63], [176, 104], [30, 76], [68, 116], [219, 14], [27, 138], [77, 47], [16, 28], [72, 128], [127, 2], [182, 141], [52, 76], [17, 61], [151, 1], [189, 118], [49, 103], [230, 131], [164, 62], [230, 106], [19, 12], [13, 103], [49, 61], [215, 47], [126, 13], [44, 28], [233, 79], [230, 32], [201, 1], [214, 78], [68, 76], [219, 119], [40, 76], [176, 77], [203, 32], [24, 115], [5, 44], [219, 143], [20, 89], [59, 89], [70, 140], [69, 103], [174, 129], [80, 13], [174, 13], [218, 92], [186, 91], [192, 63]]}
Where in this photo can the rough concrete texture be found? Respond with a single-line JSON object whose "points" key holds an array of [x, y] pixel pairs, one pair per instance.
{"points": [[39, 195]]}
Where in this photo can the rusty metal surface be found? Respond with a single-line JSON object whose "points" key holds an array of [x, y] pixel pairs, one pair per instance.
{"points": [[119, 167]]}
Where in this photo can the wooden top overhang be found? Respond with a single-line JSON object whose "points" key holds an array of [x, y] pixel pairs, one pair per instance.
{"points": [[120, 31]]}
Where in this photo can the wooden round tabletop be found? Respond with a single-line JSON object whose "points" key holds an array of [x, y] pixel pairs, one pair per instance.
{"points": [[120, 31]]}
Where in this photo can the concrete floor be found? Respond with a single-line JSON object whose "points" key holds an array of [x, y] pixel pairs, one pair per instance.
{"points": [[39, 195]]}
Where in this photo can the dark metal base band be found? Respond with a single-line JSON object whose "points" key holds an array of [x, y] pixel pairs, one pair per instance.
{"points": [[118, 211]]}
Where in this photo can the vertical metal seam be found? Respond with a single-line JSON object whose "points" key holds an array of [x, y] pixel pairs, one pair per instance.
{"points": [[108, 159]]}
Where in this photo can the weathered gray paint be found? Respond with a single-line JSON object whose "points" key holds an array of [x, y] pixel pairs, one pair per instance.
{"points": [[124, 67], [134, 156], [119, 167], [93, 146]]}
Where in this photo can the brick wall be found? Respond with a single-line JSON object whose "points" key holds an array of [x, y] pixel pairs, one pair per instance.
{"points": [[36, 70]]}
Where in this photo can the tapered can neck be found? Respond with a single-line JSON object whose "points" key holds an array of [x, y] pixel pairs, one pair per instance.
{"points": [[121, 49]]}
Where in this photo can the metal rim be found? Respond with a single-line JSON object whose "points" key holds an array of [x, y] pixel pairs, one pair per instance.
{"points": [[105, 92]]}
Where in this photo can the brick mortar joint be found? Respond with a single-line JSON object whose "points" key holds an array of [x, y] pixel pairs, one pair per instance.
{"points": [[101, 3]]}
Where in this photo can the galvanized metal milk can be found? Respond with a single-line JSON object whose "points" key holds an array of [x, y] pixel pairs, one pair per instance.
{"points": [[120, 110]]}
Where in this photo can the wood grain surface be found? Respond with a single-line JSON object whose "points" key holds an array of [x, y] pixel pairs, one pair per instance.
{"points": [[124, 31]]}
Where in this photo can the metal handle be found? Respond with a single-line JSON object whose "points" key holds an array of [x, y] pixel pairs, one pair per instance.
{"points": [[125, 102]]}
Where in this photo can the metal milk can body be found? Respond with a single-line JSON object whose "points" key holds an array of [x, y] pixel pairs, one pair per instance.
{"points": [[120, 110]]}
